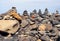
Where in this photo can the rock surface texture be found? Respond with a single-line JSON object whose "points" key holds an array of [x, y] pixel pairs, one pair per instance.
{"points": [[33, 27]]}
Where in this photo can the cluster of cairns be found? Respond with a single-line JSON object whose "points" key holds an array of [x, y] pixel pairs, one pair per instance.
{"points": [[37, 26]]}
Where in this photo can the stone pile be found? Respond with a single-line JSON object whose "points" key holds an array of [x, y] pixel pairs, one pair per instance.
{"points": [[33, 27]]}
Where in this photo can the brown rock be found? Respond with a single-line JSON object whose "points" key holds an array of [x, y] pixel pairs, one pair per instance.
{"points": [[10, 26], [42, 27], [39, 40], [14, 13]]}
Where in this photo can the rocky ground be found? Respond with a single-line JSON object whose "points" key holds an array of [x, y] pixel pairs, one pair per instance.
{"points": [[33, 27]]}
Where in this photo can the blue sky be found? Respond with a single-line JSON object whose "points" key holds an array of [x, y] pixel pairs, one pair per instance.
{"points": [[29, 5]]}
